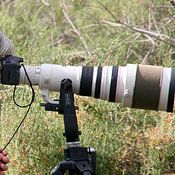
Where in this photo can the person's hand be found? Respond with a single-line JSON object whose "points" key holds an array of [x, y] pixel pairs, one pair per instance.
{"points": [[4, 160]]}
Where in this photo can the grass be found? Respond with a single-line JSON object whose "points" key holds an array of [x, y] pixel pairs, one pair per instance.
{"points": [[127, 141]]}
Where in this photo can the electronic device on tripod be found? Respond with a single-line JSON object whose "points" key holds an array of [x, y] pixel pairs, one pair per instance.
{"points": [[129, 85]]}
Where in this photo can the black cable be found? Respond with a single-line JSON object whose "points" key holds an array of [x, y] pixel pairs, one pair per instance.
{"points": [[17, 128], [33, 92], [22, 106]]}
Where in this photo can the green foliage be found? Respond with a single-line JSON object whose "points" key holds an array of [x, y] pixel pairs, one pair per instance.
{"points": [[127, 141]]}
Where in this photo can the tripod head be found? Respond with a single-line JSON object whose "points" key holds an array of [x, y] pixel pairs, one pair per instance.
{"points": [[78, 160]]}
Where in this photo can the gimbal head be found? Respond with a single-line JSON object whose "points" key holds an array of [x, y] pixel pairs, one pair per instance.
{"points": [[78, 160]]}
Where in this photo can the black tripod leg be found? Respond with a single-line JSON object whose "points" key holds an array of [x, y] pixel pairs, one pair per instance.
{"points": [[87, 173], [63, 167], [57, 171]]}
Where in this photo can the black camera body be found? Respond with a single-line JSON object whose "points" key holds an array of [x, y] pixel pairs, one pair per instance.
{"points": [[10, 70]]}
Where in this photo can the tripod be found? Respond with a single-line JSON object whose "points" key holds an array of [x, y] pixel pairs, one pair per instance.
{"points": [[78, 160]]}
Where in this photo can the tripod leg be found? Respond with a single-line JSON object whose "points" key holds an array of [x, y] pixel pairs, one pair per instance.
{"points": [[87, 173], [63, 167], [57, 171], [73, 173]]}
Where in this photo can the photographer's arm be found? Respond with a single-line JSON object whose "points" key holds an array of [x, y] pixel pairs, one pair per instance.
{"points": [[6, 46]]}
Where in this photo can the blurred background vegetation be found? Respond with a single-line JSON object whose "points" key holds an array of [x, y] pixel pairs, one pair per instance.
{"points": [[90, 32]]}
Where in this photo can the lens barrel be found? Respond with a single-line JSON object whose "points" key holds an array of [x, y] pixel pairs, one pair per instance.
{"points": [[134, 85]]}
